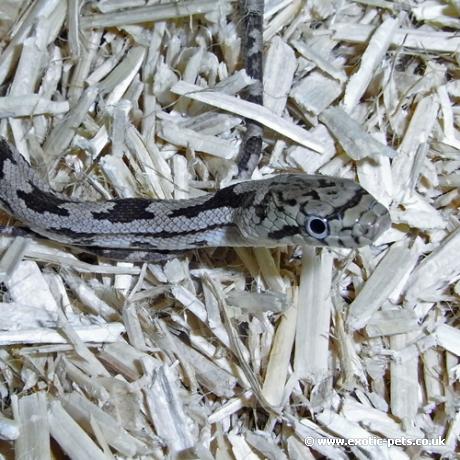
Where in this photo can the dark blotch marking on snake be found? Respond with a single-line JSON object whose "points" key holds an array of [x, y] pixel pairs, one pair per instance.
{"points": [[39, 201], [142, 245], [252, 38], [354, 201], [313, 194], [254, 143], [323, 183], [82, 241], [287, 230], [126, 211], [222, 198], [133, 254], [201, 243]]}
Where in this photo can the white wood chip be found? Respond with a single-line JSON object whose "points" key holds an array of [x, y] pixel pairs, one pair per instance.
{"points": [[395, 266], [87, 295], [376, 420], [419, 214], [9, 429], [375, 177], [28, 278], [197, 141], [310, 431], [32, 56], [68, 434], [353, 366], [357, 143], [167, 411], [61, 136], [18, 316], [12, 257], [151, 13], [157, 172], [308, 51], [391, 321], [120, 176], [449, 338], [214, 379], [265, 445], [433, 368], [259, 302], [371, 58], [297, 449], [435, 12], [423, 40], [280, 65], [309, 161], [277, 368], [117, 82], [269, 270], [39, 10], [248, 110], [193, 304], [405, 387], [240, 448], [33, 104], [436, 271], [125, 359], [91, 334], [34, 429], [316, 92], [345, 429], [82, 410], [208, 355], [420, 127], [313, 316]]}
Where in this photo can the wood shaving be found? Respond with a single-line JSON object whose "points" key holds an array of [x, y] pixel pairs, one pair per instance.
{"points": [[234, 353]]}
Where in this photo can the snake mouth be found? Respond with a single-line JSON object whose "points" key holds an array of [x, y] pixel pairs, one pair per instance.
{"points": [[383, 221], [383, 218], [359, 229], [379, 222]]}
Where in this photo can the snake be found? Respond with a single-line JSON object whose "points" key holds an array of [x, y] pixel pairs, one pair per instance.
{"points": [[285, 209]]}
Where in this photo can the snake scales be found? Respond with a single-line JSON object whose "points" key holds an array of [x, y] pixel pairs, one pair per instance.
{"points": [[286, 209]]}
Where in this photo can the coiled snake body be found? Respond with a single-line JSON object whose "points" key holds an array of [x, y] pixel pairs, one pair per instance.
{"points": [[285, 209]]}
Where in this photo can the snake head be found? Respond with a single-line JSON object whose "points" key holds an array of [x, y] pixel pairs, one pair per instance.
{"points": [[316, 210]]}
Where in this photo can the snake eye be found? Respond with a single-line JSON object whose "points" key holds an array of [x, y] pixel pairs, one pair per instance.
{"points": [[316, 227]]}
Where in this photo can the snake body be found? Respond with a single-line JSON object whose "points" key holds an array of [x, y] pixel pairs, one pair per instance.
{"points": [[252, 13], [287, 209]]}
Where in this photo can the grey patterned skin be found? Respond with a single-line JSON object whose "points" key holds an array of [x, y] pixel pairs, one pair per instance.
{"points": [[286, 209], [252, 14]]}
